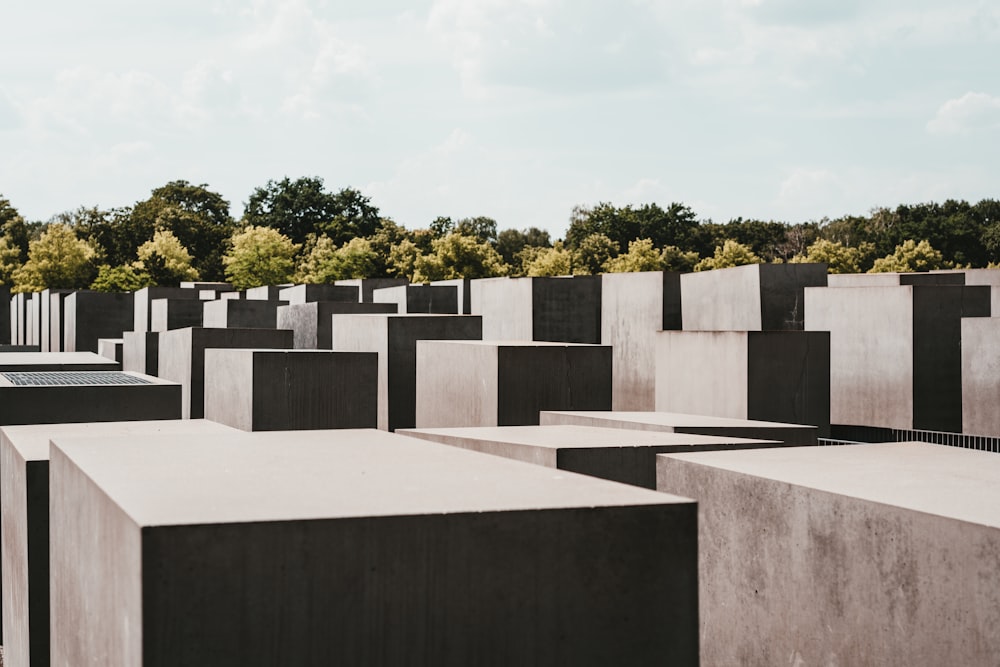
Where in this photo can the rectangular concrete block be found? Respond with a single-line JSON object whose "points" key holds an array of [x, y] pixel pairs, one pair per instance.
{"points": [[167, 314], [626, 456], [367, 286], [896, 352], [5, 312], [143, 312], [778, 376], [464, 293], [241, 314], [182, 357], [24, 511], [367, 548], [285, 390], [93, 315], [895, 279], [756, 297], [634, 306], [111, 348], [265, 292], [311, 321], [56, 361], [667, 422], [981, 376], [507, 383], [439, 299], [394, 338], [564, 309], [34, 321], [296, 294], [140, 352], [51, 331], [879, 554]]}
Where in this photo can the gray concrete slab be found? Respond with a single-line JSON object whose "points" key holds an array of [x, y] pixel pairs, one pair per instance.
{"points": [[311, 321], [34, 321], [619, 455], [143, 299], [563, 309], [167, 314], [6, 349], [90, 316], [777, 376], [295, 294], [667, 422], [464, 293], [367, 286], [182, 357], [266, 292], [241, 314], [177, 541], [141, 352], [507, 383], [395, 338], [285, 390], [881, 554], [634, 306], [439, 299], [756, 297], [51, 332], [111, 348], [5, 311], [896, 279], [981, 376], [56, 361], [24, 514]]}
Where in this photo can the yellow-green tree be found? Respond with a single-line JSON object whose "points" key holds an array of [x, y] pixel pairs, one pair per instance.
{"points": [[909, 257], [10, 260], [641, 256], [729, 254], [165, 260], [259, 256], [554, 261], [675, 259], [838, 257], [57, 260], [593, 253], [326, 263], [457, 255]]}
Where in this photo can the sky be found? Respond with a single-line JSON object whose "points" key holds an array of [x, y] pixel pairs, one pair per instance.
{"points": [[518, 110]]}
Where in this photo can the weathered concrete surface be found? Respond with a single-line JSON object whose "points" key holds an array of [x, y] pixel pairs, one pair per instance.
{"points": [[56, 361], [369, 285], [882, 554], [981, 376], [311, 321], [394, 338], [90, 316], [6, 307], [265, 292], [778, 376], [110, 348], [285, 390], [464, 293], [241, 314], [141, 352], [297, 294], [356, 533], [24, 508], [990, 277], [438, 299], [182, 357], [757, 297], [167, 314], [790, 434], [634, 306], [51, 332], [143, 299], [896, 352], [619, 455], [896, 279], [507, 383], [33, 324], [564, 309], [53, 404]]}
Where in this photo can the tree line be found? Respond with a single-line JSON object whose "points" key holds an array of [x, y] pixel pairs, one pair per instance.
{"points": [[298, 230]]}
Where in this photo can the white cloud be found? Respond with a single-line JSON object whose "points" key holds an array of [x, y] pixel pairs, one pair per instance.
{"points": [[969, 113]]}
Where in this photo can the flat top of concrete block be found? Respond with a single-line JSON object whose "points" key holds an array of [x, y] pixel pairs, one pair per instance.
{"points": [[28, 359], [302, 475], [583, 437], [404, 315], [74, 378], [952, 482], [512, 343], [673, 419], [32, 441]]}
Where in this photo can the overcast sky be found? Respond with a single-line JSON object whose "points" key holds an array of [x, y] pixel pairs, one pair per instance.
{"points": [[514, 109]]}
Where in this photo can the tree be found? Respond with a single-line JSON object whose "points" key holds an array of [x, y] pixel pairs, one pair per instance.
{"points": [[403, 260], [838, 257], [729, 254], [511, 242], [326, 263], [459, 256], [14, 229], [10, 260], [593, 253], [57, 260], [910, 257], [259, 256], [675, 259], [554, 261], [677, 225], [165, 260], [481, 228], [641, 256], [122, 278]]}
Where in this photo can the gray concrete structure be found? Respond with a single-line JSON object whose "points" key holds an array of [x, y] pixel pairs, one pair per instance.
{"points": [[51, 333], [507, 383], [369, 285], [778, 376], [26, 362], [756, 297], [33, 325], [312, 324], [88, 396], [667, 422], [111, 348], [634, 306], [439, 299], [141, 352], [878, 554], [241, 314], [143, 311], [24, 510], [896, 352], [296, 294], [285, 390], [182, 357], [896, 279], [265, 292], [394, 338], [367, 548], [90, 316], [464, 293], [18, 318], [202, 285], [564, 309], [5, 348], [5, 311], [167, 314], [981, 376], [990, 277], [626, 456]]}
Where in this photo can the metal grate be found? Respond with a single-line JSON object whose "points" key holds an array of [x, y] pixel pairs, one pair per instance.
{"points": [[72, 378]]}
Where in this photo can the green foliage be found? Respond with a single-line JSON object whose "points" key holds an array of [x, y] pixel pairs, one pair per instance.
{"points": [[677, 225], [554, 261], [481, 228], [675, 259], [403, 260], [593, 253], [259, 256], [122, 278], [386, 237], [641, 256], [165, 260], [10, 260], [910, 257], [14, 230], [326, 263], [459, 256], [838, 257], [728, 254], [57, 260]]}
